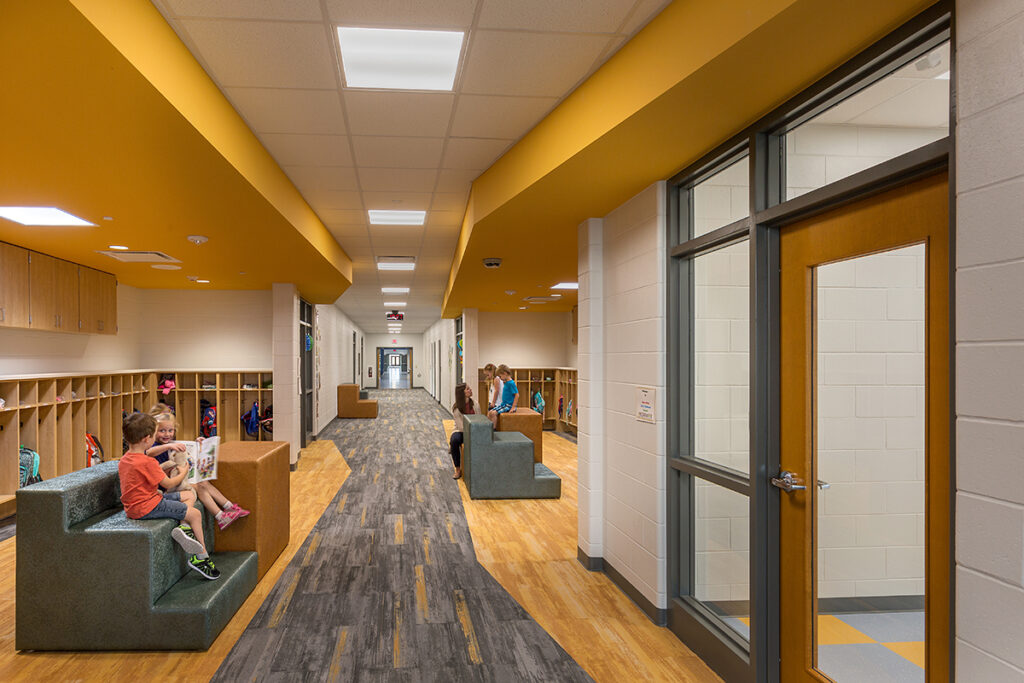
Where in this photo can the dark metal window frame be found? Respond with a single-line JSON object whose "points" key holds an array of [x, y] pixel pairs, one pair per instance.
{"points": [[764, 144]]}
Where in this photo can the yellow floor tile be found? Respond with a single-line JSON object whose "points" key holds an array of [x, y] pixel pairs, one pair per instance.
{"points": [[834, 631], [914, 651]]}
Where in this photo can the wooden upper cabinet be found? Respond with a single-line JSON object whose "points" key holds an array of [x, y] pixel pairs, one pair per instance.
{"points": [[53, 293], [14, 284], [97, 301]]}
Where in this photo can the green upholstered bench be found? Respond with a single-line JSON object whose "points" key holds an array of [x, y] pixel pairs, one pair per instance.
{"points": [[501, 465], [89, 578]]}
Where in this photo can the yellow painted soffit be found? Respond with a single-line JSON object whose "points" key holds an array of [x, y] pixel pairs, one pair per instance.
{"points": [[697, 74], [139, 32]]}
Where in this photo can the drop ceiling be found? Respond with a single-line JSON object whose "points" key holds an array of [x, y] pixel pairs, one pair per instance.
{"points": [[349, 150]]}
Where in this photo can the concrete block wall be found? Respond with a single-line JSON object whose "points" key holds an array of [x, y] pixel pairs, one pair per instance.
{"points": [[590, 389], [633, 279], [990, 341], [287, 422]]}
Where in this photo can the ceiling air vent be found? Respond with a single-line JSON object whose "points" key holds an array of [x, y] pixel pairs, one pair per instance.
{"points": [[541, 299], [140, 256]]}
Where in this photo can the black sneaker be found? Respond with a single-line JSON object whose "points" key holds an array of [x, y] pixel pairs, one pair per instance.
{"points": [[184, 537], [204, 567]]}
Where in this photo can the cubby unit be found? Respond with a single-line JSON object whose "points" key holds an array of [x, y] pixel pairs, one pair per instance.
{"points": [[52, 414], [553, 384]]}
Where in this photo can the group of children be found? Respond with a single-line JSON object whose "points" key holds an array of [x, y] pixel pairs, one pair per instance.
{"points": [[152, 474], [503, 397]]}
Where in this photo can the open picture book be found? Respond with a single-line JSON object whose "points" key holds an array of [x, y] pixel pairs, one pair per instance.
{"points": [[203, 455]]}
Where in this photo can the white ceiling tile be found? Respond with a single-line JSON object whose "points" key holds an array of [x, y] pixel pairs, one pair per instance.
{"points": [[644, 12], [491, 116], [398, 152], [277, 110], [473, 153], [449, 201], [397, 201], [264, 54], [581, 16], [398, 113], [308, 150], [926, 105], [353, 241], [407, 237], [324, 200], [349, 230], [323, 177], [456, 179], [407, 179], [293, 10], [394, 245], [403, 13], [534, 64]]}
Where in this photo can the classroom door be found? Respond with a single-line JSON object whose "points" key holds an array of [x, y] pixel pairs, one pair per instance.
{"points": [[864, 440]]}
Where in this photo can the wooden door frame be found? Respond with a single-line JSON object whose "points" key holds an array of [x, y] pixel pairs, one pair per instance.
{"points": [[833, 236]]}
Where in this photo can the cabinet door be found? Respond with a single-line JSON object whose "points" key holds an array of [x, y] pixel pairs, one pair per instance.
{"points": [[97, 300], [13, 286], [65, 284], [42, 296]]}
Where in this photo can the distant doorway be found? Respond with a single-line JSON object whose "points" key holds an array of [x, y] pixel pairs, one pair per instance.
{"points": [[394, 368]]}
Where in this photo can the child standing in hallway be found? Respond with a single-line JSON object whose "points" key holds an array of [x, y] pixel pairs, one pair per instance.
{"points": [[509, 395], [224, 511], [463, 406]]}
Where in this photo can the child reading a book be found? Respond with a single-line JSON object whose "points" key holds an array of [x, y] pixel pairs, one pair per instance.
{"points": [[166, 450], [140, 476]]}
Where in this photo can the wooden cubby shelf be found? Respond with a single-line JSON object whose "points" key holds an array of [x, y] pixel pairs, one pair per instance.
{"points": [[52, 414], [552, 383]]}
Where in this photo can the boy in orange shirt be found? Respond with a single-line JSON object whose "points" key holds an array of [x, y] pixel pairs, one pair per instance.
{"points": [[140, 476]]}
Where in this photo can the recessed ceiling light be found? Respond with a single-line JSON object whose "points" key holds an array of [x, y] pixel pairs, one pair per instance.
{"points": [[165, 266], [394, 303], [399, 59], [567, 285], [40, 215], [396, 263], [203, 282], [522, 308], [390, 217], [394, 290], [510, 292], [118, 247]]}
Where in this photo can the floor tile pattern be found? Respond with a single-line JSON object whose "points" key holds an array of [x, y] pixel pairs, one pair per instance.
{"points": [[387, 586]]}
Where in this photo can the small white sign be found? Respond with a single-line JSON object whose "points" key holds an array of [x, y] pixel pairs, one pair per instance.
{"points": [[645, 404]]}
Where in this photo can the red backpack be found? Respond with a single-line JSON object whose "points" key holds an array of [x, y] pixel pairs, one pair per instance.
{"points": [[93, 450]]}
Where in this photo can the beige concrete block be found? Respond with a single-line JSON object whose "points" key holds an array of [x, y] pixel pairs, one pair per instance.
{"points": [[989, 306], [990, 537], [990, 459]]}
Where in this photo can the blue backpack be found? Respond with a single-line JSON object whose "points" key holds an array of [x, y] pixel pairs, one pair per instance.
{"points": [[251, 419], [28, 466], [208, 424], [538, 403]]}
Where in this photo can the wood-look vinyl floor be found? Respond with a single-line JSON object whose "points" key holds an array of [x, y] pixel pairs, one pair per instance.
{"points": [[530, 547], [320, 472]]}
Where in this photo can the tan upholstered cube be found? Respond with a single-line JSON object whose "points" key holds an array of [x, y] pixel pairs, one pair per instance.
{"points": [[350, 405], [255, 475], [530, 424]]}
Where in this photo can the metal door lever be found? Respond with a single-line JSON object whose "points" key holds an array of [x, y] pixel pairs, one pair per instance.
{"points": [[788, 482]]}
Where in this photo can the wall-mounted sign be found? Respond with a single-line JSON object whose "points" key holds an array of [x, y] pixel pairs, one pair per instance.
{"points": [[395, 315], [645, 404]]}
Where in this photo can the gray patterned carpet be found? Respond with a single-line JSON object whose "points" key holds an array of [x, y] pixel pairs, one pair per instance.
{"points": [[387, 587]]}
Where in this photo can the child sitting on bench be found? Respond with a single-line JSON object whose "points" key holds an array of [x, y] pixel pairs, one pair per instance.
{"points": [[164, 450], [509, 395], [140, 475]]}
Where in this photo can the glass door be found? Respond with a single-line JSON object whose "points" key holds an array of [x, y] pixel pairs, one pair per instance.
{"points": [[865, 452]]}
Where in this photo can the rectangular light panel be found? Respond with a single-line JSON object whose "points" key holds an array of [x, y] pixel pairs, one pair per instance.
{"points": [[567, 285], [399, 59], [379, 217], [394, 304], [394, 290], [40, 215]]}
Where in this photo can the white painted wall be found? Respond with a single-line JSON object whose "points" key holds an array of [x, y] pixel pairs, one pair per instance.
{"points": [[334, 359], [415, 341], [287, 379], [590, 447], [990, 341], [528, 339], [632, 253], [442, 331]]}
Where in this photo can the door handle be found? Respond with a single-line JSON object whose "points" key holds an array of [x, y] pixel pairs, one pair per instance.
{"points": [[822, 485], [788, 482]]}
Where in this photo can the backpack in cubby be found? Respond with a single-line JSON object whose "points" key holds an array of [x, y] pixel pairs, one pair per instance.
{"points": [[28, 467], [251, 419], [208, 423]]}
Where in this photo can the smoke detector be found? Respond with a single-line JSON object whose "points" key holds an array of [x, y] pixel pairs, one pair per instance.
{"points": [[198, 239], [492, 263]]}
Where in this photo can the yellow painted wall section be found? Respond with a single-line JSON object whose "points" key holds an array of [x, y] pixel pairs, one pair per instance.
{"points": [[140, 33]]}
